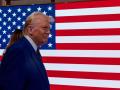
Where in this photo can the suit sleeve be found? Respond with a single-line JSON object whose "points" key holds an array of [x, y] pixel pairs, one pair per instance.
{"points": [[13, 74]]}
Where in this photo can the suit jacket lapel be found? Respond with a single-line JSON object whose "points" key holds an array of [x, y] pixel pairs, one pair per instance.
{"points": [[39, 65]]}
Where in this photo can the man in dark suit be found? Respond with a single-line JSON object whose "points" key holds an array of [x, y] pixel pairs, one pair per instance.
{"points": [[21, 67]]}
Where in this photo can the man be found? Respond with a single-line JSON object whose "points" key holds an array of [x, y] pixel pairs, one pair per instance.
{"points": [[22, 68]]}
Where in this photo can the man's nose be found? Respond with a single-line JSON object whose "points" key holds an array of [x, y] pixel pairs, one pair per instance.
{"points": [[48, 31]]}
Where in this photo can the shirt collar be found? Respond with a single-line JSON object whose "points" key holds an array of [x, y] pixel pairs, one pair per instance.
{"points": [[31, 42]]}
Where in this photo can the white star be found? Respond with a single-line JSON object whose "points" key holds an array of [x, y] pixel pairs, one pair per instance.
{"points": [[0, 27], [29, 9], [13, 30], [9, 10], [50, 26], [52, 19], [0, 11], [4, 40], [9, 19], [50, 35], [49, 8], [4, 23], [0, 36], [23, 22], [19, 9], [18, 27], [4, 32], [0, 19], [44, 12], [39, 8], [18, 18], [14, 23], [9, 27], [49, 45], [14, 14], [9, 36], [4, 15], [24, 14]]}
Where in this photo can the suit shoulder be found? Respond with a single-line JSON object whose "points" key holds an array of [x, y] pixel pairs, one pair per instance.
{"points": [[20, 45]]}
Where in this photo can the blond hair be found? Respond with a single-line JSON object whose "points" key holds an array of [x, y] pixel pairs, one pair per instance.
{"points": [[30, 19]]}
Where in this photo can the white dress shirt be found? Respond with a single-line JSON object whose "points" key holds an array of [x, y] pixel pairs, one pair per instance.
{"points": [[31, 42]]}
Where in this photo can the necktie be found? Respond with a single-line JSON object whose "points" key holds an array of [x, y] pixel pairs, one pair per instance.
{"points": [[39, 55]]}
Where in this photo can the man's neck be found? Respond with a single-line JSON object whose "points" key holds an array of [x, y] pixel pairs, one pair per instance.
{"points": [[31, 41]]}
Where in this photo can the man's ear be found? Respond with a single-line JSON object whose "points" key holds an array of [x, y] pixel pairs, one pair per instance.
{"points": [[30, 30]]}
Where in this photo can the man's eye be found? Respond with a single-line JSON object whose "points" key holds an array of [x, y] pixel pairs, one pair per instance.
{"points": [[45, 28]]}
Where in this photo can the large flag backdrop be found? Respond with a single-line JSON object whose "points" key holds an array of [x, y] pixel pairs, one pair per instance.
{"points": [[83, 51]]}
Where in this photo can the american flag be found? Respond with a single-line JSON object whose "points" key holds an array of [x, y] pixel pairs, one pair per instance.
{"points": [[13, 17], [87, 49]]}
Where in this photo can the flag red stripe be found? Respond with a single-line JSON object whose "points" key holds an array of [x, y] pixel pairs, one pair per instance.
{"points": [[0, 58], [84, 32], [86, 75], [110, 17], [88, 4], [65, 87], [82, 60], [88, 46]]}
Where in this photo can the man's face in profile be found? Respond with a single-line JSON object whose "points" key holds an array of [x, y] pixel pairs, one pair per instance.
{"points": [[40, 29]]}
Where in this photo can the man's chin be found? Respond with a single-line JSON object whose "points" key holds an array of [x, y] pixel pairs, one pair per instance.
{"points": [[45, 41]]}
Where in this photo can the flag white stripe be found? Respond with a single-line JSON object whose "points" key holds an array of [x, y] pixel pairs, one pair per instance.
{"points": [[82, 53], [88, 39], [88, 11], [83, 67], [88, 25], [79, 53], [1, 52], [85, 82]]}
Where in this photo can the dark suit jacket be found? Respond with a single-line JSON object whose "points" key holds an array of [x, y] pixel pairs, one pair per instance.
{"points": [[21, 69]]}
